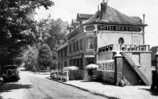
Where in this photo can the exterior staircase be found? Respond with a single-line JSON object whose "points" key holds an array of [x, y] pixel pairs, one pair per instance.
{"points": [[135, 68]]}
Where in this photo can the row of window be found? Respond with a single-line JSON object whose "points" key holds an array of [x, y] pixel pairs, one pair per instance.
{"points": [[78, 46], [73, 47], [63, 52], [106, 66]]}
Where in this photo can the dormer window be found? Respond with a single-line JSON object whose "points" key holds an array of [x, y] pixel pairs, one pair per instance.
{"points": [[90, 28]]}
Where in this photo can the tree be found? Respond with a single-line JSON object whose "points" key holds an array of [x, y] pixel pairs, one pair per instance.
{"points": [[30, 58], [58, 30], [30, 63], [44, 57], [17, 28], [52, 31]]}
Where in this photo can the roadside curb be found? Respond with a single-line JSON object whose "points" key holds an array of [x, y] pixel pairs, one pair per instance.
{"points": [[90, 91]]}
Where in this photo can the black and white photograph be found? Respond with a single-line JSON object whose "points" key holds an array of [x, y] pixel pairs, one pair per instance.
{"points": [[78, 49]]}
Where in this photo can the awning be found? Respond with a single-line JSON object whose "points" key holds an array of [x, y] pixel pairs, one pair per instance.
{"points": [[89, 56], [92, 66], [70, 68]]}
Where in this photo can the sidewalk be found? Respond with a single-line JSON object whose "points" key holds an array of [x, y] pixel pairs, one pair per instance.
{"points": [[127, 92]]}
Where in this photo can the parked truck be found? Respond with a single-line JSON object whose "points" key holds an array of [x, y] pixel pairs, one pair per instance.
{"points": [[154, 86]]}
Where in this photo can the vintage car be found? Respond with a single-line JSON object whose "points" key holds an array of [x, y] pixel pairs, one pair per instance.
{"points": [[1, 80], [10, 73], [56, 75], [53, 75]]}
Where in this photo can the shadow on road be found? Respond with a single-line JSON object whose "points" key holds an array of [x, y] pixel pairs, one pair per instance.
{"points": [[152, 92], [11, 86]]}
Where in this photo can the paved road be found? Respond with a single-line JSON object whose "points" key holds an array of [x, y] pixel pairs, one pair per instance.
{"points": [[33, 86]]}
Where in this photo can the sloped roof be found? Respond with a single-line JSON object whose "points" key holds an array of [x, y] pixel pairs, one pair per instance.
{"points": [[111, 15]]}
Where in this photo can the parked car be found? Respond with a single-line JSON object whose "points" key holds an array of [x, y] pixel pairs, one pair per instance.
{"points": [[62, 76], [1, 80], [53, 75], [10, 73]]}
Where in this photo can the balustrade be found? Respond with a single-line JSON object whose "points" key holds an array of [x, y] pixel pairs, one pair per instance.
{"points": [[125, 47]]}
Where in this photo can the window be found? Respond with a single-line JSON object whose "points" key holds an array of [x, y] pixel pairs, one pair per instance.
{"points": [[91, 43], [125, 28], [66, 51], [90, 28], [121, 41], [80, 44], [73, 46], [77, 46], [108, 27], [114, 28], [70, 48]]}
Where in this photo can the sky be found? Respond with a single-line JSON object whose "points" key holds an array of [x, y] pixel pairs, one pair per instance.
{"points": [[68, 9]]}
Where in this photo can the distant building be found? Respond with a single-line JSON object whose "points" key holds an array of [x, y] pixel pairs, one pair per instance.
{"points": [[107, 31]]}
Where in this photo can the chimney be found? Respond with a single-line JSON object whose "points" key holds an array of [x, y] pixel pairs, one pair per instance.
{"points": [[103, 8], [143, 18], [143, 29]]}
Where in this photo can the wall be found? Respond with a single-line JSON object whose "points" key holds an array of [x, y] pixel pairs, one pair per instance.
{"points": [[145, 61], [106, 66], [108, 77], [111, 37]]}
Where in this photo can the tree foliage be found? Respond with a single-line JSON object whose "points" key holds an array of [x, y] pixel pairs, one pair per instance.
{"points": [[44, 57], [17, 28], [52, 31], [31, 61]]}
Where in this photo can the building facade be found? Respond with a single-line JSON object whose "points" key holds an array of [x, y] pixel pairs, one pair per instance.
{"points": [[80, 48], [107, 31]]}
